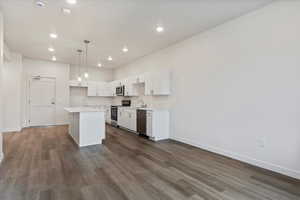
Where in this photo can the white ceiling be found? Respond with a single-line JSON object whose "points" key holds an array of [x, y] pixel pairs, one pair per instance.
{"points": [[111, 24]]}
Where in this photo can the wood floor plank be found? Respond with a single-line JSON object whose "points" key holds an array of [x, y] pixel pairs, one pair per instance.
{"points": [[45, 164]]}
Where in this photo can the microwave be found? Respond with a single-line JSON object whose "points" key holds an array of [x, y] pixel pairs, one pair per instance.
{"points": [[120, 91]]}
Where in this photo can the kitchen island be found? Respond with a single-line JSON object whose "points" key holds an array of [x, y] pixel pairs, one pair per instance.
{"points": [[86, 125]]}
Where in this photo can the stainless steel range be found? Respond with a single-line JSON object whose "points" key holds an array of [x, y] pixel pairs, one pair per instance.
{"points": [[114, 111]]}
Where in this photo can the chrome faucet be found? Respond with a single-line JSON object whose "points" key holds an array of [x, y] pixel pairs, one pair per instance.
{"points": [[142, 103]]}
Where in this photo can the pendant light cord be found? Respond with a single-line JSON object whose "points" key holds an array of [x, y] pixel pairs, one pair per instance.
{"points": [[86, 56], [79, 62]]}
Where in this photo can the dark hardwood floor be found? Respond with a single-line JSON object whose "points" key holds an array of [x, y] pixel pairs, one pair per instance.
{"points": [[45, 164]]}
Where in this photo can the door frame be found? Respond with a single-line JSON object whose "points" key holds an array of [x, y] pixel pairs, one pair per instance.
{"points": [[30, 77]]}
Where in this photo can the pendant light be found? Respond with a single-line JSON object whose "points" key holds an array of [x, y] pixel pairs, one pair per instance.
{"points": [[79, 51], [86, 73]]}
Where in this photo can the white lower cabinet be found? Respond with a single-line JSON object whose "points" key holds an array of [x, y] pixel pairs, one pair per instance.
{"points": [[127, 118], [132, 120], [73, 126], [149, 124], [87, 128], [121, 118], [158, 124]]}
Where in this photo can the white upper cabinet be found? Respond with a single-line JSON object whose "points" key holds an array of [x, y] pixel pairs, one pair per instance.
{"points": [[158, 83], [130, 88], [99, 89], [139, 79], [92, 89], [103, 89], [75, 83], [112, 86]]}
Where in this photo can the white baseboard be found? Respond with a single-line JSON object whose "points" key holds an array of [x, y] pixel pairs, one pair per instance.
{"points": [[61, 124], [246, 159], [57, 124], [20, 128], [12, 129]]}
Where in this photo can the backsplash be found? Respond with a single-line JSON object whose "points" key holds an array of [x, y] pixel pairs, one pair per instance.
{"points": [[151, 101], [78, 97]]}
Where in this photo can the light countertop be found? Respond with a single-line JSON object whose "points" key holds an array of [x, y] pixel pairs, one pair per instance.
{"points": [[142, 108], [84, 109]]}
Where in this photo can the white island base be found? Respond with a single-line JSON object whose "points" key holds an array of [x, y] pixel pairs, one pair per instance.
{"points": [[86, 125]]}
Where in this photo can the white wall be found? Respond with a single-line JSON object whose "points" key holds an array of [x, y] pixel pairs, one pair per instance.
{"points": [[237, 86], [61, 72], [12, 80], [1, 84], [78, 96]]}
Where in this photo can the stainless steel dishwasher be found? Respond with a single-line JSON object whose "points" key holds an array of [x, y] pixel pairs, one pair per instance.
{"points": [[141, 121]]}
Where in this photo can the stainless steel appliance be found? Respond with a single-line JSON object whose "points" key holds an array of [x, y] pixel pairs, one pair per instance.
{"points": [[120, 91], [114, 111], [114, 115], [141, 120], [126, 103]]}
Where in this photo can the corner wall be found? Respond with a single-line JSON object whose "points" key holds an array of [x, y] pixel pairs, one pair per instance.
{"points": [[236, 88], [33, 67], [12, 80], [1, 85]]}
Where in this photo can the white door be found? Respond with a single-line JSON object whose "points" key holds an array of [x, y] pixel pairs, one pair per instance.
{"points": [[42, 101]]}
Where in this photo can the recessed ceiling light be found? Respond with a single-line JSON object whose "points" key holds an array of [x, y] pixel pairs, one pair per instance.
{"points": [[99, 65], [71, 1], [125, 49], [159, 29], [109, 58], [40, 3], [51, 49], [53, 58], [53, 35], [66, 11]]}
